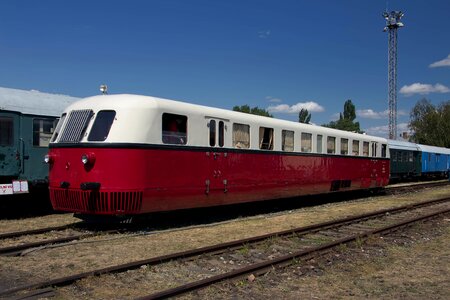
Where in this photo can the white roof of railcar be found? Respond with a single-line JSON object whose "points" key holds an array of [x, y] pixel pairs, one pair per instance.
{"points": [[403, 145], [434, 149], [126, 101], [34, 102]]}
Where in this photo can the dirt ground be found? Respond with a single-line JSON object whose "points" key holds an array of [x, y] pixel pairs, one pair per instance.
{"points": [[412, 265], [355, 278]]}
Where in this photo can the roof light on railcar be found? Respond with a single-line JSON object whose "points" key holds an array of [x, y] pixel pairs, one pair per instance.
{"points": [[104, 89]]}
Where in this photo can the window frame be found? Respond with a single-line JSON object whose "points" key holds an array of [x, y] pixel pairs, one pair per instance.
{"points": [[343, 142], [101, 127], [174, 130], [41, 137], [266, 138], [284, 134], [241, 143], [331, 150], [357, 147], [10, 128]]}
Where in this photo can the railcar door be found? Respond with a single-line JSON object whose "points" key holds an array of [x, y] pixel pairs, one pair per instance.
{"points": [[9, 146], [216, 182]]}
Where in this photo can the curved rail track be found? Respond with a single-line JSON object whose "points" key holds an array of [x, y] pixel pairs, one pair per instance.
{"points": [[301, 242]]}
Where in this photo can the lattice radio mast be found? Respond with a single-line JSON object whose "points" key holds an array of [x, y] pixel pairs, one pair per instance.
{"points": [[392, 24]]}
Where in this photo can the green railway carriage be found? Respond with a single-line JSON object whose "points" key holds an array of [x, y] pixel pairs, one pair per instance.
{"points": [[405, 160], [27, 122]]}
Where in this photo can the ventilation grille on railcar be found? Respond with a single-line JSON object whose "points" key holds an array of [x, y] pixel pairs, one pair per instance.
{"points": [[76, 126], [96, 202]]}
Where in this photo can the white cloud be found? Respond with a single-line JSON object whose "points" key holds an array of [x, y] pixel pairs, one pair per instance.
{"points": [[442, 63], [296, 108], [383, 131], [423, 89], [272, 99], [263, 34], [371, 114]]}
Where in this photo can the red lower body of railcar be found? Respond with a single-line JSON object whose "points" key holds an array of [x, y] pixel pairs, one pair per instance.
{"points": [[126, 181]]}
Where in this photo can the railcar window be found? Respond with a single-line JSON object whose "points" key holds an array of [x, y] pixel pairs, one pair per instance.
{"points": [[355, 147], [365, 148], [221, 133], [102, 125], [374, 149], [58, 128], [241, 135], [429, 157], [43, 131], [174, 129], [383, 150], [306, 142], [6, 131], [344, 146], [405, 156], [287, 140], [265, 138], [319, 143], [212, 133], [331, 145]]}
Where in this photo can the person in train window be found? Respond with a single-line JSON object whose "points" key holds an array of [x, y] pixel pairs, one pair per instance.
{"points": [[174, 135]]}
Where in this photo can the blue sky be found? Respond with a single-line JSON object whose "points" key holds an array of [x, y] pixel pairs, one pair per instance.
{"points": [[278, 55]]}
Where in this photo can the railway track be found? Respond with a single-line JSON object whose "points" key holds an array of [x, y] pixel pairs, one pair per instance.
{"points": [[23, 247], [292, 244], [71, 232]]}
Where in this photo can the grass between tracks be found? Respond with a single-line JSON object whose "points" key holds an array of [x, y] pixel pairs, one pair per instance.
{"points": [[79, 257]]}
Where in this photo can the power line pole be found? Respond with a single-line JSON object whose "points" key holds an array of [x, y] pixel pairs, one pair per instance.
{"points": [[392, 24]]}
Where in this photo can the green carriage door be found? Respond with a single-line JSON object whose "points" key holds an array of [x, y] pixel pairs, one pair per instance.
{"points": [[9, 147]]}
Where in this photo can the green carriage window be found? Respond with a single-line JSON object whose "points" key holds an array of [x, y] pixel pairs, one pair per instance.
{"points": [[6, 131], [43, 130]]}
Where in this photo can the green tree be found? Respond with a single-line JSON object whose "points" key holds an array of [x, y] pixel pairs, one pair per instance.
{"points": [[346, 120], [304, 116], [430, 124], [254, 110]]}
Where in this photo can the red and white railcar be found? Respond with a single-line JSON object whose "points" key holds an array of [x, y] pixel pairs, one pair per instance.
{"points": [[129, 154]]}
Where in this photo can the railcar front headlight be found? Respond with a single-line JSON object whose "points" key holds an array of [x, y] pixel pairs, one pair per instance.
{"points": [[48, 159], [88, 159]]}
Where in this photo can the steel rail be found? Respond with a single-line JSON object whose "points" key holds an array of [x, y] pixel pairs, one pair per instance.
{"points": [[389, 188], [283, 259], [9, 235], [215, 248], [17, 249]]}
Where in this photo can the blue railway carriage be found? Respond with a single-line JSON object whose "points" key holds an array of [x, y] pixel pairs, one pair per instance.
{"points": [[27, 122], [405, 160], [435, 161]]}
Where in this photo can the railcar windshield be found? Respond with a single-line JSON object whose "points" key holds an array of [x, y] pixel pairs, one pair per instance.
{"points": [[58, 127], [102, 125], [6, 131]]}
